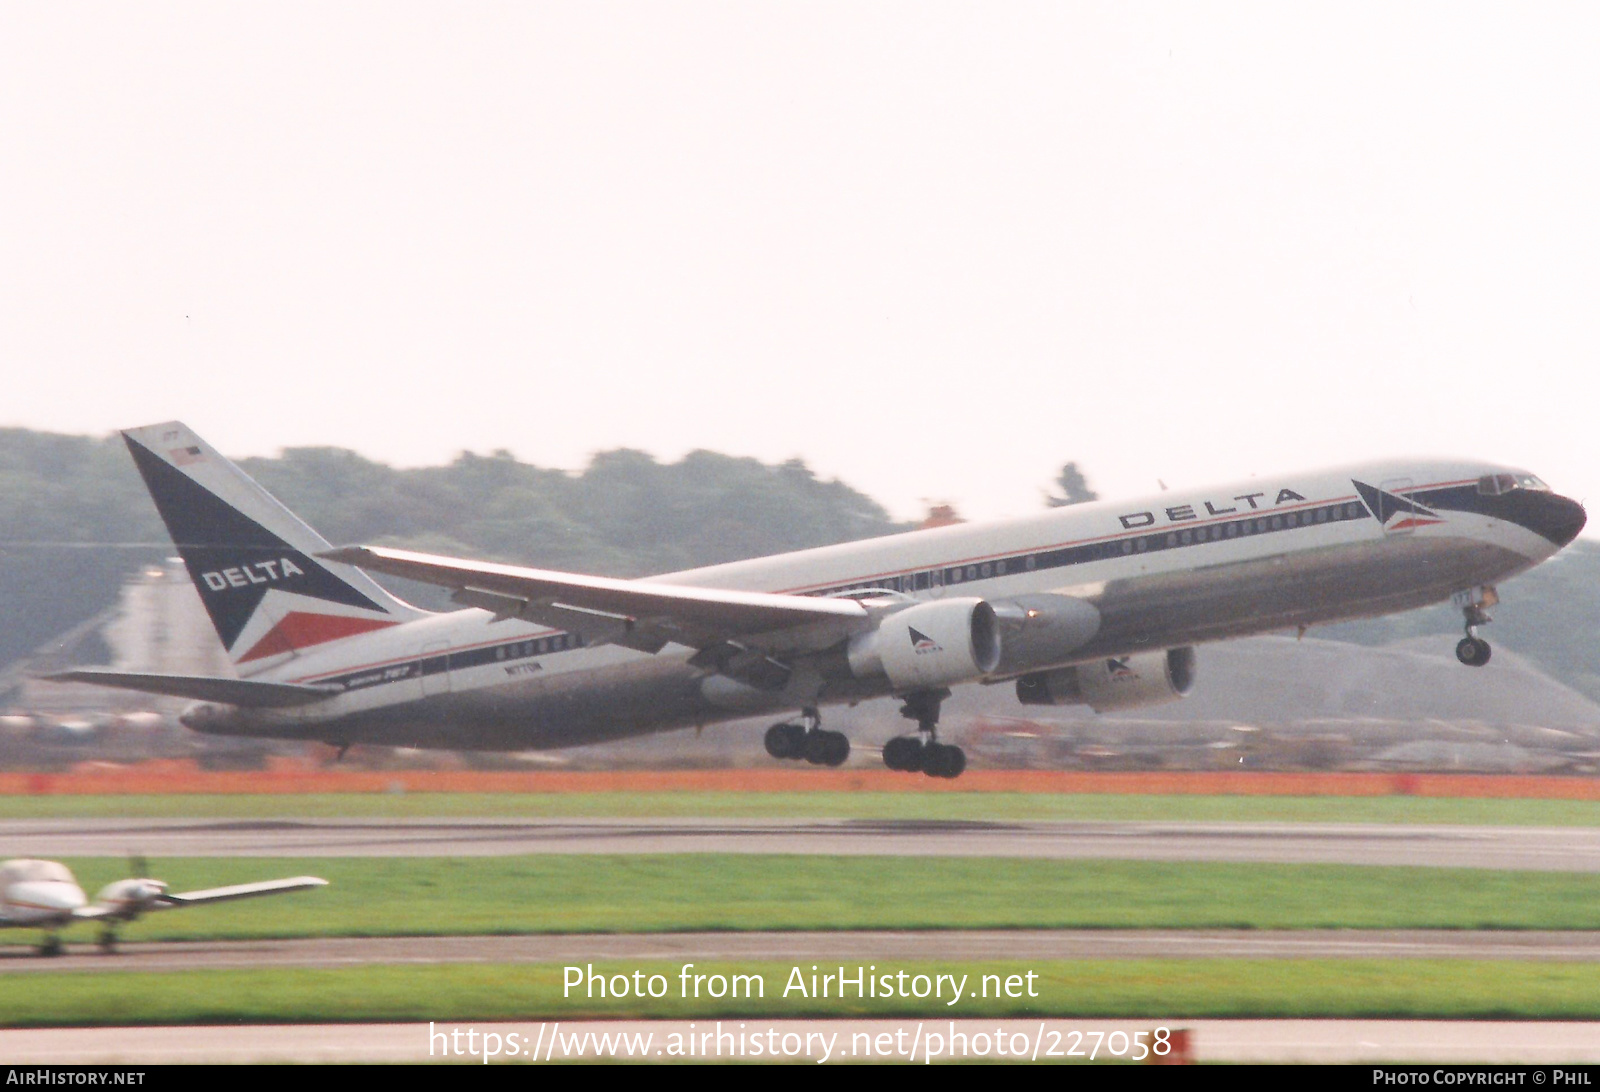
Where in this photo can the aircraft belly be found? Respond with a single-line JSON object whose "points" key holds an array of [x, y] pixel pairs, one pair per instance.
{"points": [[558, 710], [1352, 580]]}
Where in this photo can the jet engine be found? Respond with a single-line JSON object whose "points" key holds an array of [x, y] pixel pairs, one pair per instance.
{"points": [[1122, 682], [929, 645]]}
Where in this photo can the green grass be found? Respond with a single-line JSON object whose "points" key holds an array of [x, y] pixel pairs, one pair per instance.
{"points": [[842, 805], [654, 893], [1157, 989]]}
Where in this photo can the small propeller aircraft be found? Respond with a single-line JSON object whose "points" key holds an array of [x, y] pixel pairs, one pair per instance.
{"points": [[43, 895]]}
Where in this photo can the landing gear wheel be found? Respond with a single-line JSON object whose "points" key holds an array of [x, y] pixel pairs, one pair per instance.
{"points": [[943, 760], [108, 941], [50, 946], [786, 740], [904, 754], [1473, 651], [826, 748]]}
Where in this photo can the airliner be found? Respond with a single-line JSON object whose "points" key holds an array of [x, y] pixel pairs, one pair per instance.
{"points": [[1099, 604]]}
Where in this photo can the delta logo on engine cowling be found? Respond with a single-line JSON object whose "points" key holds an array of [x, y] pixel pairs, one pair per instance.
{"points": [[921, 643]]}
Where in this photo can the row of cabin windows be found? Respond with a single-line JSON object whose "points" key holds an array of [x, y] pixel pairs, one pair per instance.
{"points": [[1260, 525], [523, 649], [915, 582]]}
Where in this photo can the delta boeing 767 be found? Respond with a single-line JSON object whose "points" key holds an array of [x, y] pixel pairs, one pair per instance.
{"points": [[1098, 604]]}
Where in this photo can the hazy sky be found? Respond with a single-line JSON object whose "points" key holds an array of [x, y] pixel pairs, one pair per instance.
{"points": [[935, 249]]}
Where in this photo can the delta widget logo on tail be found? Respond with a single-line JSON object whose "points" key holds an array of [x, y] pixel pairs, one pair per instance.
{"points": [[235, 561]]}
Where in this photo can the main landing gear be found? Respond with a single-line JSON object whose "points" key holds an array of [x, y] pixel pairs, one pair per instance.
{"points": [[809, 741], [50, 945], [908, 753], [1473, 650]]}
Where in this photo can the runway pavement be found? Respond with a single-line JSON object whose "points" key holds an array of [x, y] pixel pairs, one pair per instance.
{"points": [[1565, 849], [332, 952]]}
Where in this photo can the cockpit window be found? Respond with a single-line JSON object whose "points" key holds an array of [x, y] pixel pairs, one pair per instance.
{"points": [[1492, 485]]}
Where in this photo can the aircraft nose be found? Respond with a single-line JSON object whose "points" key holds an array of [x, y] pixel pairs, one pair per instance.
{"points": [[1555, 517]]}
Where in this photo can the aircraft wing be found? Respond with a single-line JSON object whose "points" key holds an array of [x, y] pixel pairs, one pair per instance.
{"points": [[240, 891], [636, 613]]}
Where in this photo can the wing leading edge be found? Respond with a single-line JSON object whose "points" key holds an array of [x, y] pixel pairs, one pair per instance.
{"points": [[243, 891], [635, 613]]}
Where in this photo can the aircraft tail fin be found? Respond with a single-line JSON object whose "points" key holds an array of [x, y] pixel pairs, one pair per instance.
{"points": [[251, 559]]}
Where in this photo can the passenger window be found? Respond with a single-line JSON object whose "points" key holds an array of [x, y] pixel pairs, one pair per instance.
{"points": [[1142, 545], [986, 571], [1031, 563]]}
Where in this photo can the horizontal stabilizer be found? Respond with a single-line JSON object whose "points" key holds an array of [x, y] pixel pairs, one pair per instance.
{"points": [[243, 891], [243, 692]]}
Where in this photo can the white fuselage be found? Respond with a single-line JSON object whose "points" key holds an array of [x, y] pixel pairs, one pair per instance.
{"points": [[1177, 568]]}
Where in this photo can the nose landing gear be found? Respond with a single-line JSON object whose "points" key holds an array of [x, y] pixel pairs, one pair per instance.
{"points": [[808, 740], [909, 754], [1473, 650]]}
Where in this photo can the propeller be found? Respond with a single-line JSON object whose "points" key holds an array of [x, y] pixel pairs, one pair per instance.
{"points": [[134, 895]]}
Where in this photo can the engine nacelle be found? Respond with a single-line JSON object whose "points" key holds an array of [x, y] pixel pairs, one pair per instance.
{"points": [[929, 645], [1125, 682], [127, 899]]}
